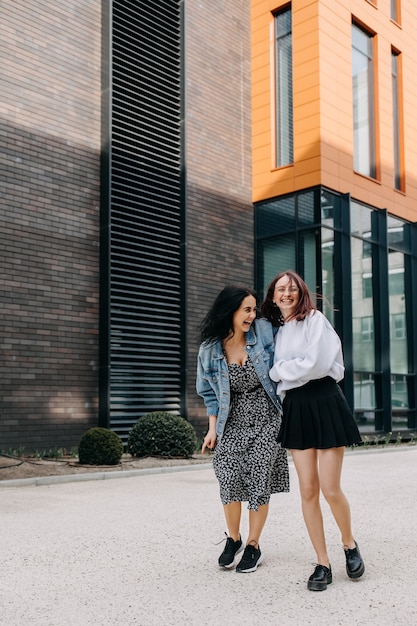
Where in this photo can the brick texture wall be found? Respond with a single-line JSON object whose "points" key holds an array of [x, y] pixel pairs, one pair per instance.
{"points": [[49, 221], [218, 164]]}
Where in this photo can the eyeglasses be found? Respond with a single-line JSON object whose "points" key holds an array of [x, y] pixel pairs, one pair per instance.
{"points": [[284, 289]]}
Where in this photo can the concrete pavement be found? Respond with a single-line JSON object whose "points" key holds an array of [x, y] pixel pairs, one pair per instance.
{"points": [[141, 551]]}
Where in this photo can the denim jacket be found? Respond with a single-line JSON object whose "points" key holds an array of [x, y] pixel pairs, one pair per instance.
{"points": [[213, 374]]}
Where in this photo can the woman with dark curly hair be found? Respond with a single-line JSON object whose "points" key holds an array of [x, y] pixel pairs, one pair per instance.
{"points": [[317, 422], [244, 415]]}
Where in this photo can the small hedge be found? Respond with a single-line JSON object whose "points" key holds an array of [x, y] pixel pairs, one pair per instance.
{"points": [[162, 434], [100, 446]]}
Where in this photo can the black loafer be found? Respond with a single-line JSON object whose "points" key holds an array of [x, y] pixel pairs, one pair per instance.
{"points": [[320, 578], [355, 567]]}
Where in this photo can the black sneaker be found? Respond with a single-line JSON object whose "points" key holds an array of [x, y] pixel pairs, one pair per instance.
{"points": [[252, 557], [320, 578], [355, 567], [231, 549]]}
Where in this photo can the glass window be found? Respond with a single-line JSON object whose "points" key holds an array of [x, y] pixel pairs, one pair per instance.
{"points": [[377, 344], [307, 244], [395, 237], [396, 103], [365, 400], [327, 260], [360, 220], [363, 353], [305, 209], [396, 293], [365, 391], [367, 328], [398, 234], [396, 282], [366, 249], [367, 286], [399, 400], [327, 204], [398, 330], [284, 88], [363, 102], [395, 10], [276, 255], [399, 391], [363, 348], [275, 217]]}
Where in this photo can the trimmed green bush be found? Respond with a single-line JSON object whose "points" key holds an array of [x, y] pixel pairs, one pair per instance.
{"points": [[162, 434], [100, 446]]}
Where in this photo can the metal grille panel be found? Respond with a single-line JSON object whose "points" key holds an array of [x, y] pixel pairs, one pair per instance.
{"points": [[145, 269]]}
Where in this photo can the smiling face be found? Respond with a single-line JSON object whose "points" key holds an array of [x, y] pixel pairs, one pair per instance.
{"points": [[286, 296], [244, 315]]}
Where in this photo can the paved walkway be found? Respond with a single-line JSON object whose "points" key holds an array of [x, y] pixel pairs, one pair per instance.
{"points": [[141, 551]]}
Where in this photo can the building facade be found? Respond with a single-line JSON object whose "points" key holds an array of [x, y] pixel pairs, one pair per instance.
{"points": [[126, 206], [153, 152], [334, 190], [49, 221]]}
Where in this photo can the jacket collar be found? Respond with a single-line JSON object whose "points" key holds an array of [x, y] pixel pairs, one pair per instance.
{"points": [[250, 335]]}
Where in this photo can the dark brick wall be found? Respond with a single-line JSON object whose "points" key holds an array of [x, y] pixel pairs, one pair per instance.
{"points": [[218, 164], [49, 221], [49, 203]]}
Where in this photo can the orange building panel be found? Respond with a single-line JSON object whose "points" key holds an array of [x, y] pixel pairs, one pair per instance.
{"points": [[323, 103]]}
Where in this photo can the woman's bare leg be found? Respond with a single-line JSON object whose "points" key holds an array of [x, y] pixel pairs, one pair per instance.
{"points": [[330, 470], [306, 465], [257, 521], [232, 513]]}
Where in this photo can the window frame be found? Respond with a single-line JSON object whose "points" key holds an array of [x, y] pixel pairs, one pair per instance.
{"points": [[397, 120], [395, 11], [283, 88], [373, 166]]}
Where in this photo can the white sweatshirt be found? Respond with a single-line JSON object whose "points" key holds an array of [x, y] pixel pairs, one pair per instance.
{"points": [[305, 351]]}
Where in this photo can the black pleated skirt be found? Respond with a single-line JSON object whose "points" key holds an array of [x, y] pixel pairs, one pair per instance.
{"points": [[317, 415]]}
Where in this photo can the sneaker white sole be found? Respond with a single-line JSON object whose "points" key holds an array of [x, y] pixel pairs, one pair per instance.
{"points": [[252, 569]]}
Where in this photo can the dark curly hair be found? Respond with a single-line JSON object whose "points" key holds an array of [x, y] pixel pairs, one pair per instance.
{"points": [[271, 311], [218, 323]]}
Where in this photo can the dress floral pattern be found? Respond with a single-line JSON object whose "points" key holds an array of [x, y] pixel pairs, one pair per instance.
{"points": [[248, 462]]}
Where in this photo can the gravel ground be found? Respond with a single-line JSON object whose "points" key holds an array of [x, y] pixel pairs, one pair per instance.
{"points": [[142, 550]]}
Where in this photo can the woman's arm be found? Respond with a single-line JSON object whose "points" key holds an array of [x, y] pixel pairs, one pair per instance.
{"points": [[209, 440], [205, 390]]}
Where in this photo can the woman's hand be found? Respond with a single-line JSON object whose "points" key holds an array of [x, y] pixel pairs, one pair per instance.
{"points": [[209, 441]]}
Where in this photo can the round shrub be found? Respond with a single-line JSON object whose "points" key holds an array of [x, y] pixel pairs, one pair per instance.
{"points": [[100, 446], [162, 434]]}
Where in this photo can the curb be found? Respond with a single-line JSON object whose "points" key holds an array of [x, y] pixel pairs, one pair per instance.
{"points": [[38, 481]]}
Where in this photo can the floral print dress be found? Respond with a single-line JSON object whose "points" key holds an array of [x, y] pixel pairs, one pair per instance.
{"points": [[248, 461]]}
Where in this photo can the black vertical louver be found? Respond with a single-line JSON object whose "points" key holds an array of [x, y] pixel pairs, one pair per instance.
{"points": [[141, 356]]}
